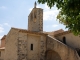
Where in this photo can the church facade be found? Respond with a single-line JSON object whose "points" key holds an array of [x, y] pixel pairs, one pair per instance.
{"points": [[34, 44]]}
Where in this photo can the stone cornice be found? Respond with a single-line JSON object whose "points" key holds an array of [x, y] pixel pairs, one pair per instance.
{"points": [[30, 32]]}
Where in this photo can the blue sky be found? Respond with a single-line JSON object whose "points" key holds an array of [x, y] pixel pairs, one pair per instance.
{"points": [[14, 13]]}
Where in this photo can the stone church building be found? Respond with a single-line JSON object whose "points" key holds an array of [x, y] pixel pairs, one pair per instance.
{"points": [[34, 44]]}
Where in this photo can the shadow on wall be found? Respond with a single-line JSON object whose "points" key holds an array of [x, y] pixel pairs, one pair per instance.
{"points": [[52, 55], [78, 51]]}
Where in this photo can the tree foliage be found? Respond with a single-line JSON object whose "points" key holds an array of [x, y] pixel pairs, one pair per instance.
{"points": [[69, 14]]}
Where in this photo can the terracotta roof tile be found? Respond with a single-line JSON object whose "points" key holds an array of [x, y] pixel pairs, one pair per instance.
{"points": [[3, 37], [63, 33], [55, 32]]}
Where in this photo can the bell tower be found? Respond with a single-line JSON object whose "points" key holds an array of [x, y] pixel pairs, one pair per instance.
{"points": [[35, 19]]}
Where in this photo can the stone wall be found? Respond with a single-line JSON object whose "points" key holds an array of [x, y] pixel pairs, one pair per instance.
{"points": [[34, 53], [24, 46], [35, 20], [65, 52], [2, 53], [71, 40], [42, 47], [11, 45]]}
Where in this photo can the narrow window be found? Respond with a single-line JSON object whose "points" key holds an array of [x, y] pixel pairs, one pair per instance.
{"points": [[64, 40], [31, 46]]}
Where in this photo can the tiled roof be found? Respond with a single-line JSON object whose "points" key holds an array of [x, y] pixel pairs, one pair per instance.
{"points": [[55, 32], [3, 37], [58, 31], [63, 33]]}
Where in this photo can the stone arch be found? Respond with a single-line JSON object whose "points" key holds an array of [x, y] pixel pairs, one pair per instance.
{"points": [[52, 55]]}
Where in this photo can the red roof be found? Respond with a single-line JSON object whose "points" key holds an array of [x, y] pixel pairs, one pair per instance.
{"points": [[3, 37]]}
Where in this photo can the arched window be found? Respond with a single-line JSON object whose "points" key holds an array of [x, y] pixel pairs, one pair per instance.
{"points": [[64, 40]]}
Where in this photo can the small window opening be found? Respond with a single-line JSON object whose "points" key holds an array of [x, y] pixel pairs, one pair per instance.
{"points": [[31, 46], [64, 40]]}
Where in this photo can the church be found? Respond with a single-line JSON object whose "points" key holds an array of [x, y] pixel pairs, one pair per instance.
{"points": [[34, 44]]}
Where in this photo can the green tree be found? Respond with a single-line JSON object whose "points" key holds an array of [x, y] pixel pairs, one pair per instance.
{"points": [[69, 14]]}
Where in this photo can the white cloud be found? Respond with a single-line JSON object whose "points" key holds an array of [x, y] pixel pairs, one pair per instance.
{"points": [[3, 7], [1, 37], [1, 29], [51, 26], [50, 14], [6, 24], [30, 9], [1, 25], [55, 25], [46, 7], [47, 26]]}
